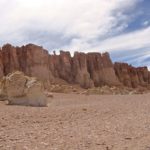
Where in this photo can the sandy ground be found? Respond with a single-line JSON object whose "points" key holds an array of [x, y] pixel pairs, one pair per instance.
{"points": [[78, 122]]}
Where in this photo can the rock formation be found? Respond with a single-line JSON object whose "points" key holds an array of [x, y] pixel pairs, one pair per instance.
{"points": [[80, 70], [9, 59], [87, 70], [1, 65], [101, 69], [61, 66], [31, 59], [23, 90], [131, 76]]}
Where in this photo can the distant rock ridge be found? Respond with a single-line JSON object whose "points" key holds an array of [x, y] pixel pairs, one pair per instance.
{"points": [[131, 76], [87, 70]]}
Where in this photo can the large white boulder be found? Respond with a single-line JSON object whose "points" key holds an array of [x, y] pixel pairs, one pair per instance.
{"points": [[24, 90]]}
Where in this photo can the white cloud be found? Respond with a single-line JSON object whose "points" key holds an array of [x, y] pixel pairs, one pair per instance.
{"points": [[130, 41], [85, 19], [83, 25], [145, 23]]}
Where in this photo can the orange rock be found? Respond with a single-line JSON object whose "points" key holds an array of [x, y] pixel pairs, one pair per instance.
{"points": [[1, 65], [101, 69], [87, 70], [131, 76]]}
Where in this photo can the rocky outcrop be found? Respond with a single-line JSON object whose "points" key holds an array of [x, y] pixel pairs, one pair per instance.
{"points": [[80, 70], [61, 66], [31, 59], [101, 69], [131, 76], [9, 59], [88, 70], [1, 65], [24, 90], [3, 93]]}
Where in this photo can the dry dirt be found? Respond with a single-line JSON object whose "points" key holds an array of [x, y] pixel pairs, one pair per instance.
{"points": [[78, 122]]}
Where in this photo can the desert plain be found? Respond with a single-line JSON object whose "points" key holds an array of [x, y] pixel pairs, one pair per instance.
{"points": [[78, 122]]}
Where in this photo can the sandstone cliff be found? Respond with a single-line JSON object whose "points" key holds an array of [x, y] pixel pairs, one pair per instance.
{"points": [[1, 65], [131, 76], [87, 70]]}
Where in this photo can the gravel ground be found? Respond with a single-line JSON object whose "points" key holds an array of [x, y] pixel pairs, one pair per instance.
{"points": [[78, 122]]}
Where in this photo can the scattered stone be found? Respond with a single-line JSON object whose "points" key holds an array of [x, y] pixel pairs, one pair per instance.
{"points": [[48, 94], [128, 138], [84, 109]]}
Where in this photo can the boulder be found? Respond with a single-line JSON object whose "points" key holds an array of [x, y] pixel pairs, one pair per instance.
{"points": [[24, 90]]}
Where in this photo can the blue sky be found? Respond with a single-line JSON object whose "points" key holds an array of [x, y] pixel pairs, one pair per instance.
{"points": [[121, 27]]}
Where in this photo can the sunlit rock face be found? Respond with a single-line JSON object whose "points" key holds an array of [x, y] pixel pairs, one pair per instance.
{"points": [[86, 69], [31, 59], [9, 59], [131, 76], [80, 70], [24, 90], [1, 65], [101, 69]]}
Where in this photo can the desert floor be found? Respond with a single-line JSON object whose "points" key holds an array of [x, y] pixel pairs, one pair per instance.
{"points": [[78, 122]]}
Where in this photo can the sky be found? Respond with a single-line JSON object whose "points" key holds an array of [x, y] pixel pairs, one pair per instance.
{"points": [[120, 27]]}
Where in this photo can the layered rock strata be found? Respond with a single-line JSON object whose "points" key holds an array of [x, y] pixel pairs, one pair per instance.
{"points": [[87, 70], [131, 76]]}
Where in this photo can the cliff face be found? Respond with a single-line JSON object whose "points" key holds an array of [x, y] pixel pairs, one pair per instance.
{"points": [[80, 70], [9, 59], [101, 69], [131, 76], [1, 65], [87, 70], [31, 59]]}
